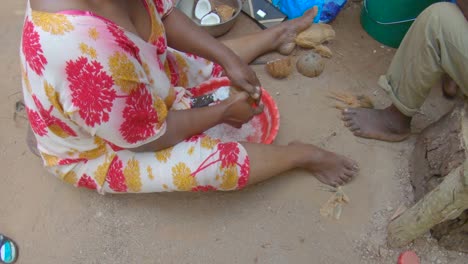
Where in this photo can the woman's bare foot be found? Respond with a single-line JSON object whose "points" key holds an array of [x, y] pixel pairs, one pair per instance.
{"points": [[449, 87], [327, 167], [288, 30], [387, 125]]}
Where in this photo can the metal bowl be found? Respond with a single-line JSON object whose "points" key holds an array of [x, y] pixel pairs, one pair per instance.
{"points": [[188, 8]]}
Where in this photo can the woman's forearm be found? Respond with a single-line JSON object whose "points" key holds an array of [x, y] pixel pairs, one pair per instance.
{"points": [[183, 124], [184, 35]]}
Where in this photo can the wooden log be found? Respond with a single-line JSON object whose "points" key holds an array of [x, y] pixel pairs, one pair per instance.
{"points": [[440, 151]]}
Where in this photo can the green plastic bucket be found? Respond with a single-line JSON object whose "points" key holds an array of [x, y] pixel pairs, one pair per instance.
{"points": [[387, 21]]}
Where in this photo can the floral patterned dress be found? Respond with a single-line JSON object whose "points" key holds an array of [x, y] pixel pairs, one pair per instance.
{"points": [[94, 90]]}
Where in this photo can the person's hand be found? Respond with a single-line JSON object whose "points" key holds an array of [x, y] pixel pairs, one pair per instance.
{"points": [[238, 110], [243, 77]]}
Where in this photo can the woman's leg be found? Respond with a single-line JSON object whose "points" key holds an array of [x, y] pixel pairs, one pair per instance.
{"points": [[267, 161], [202, 163], [253, 45]]}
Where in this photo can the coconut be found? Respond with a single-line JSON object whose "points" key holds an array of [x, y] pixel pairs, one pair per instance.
{"points": [[225, 12], [315, 35], [203, 8], [210, 19], [280, 68], [310, 64], [324, 51]]}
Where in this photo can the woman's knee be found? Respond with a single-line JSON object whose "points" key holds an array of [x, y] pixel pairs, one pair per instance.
{"points": [[443, 13]]}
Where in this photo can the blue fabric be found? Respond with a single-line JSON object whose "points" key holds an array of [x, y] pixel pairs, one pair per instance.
{"points": [[327, 9]]}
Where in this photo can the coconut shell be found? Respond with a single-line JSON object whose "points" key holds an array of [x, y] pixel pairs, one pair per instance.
{"points": [[315, 35], [310, 65], [225, 12], [280, 68], [323, 51], [346, 100], [211, 8]]}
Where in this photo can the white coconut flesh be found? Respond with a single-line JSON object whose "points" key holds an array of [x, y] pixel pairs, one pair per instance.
{"points": [[202, 8], [210, 19]]}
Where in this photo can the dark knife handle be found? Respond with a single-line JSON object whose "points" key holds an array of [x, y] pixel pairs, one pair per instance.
{"points": [[202, 101]]}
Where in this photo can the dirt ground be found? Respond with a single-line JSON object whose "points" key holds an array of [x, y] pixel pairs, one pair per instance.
{"points": [[275, 222]]}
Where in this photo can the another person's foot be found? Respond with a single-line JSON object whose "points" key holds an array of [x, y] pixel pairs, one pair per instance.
{"points": [[288, 30], [449, 87], [328, 167], [387, 125]]}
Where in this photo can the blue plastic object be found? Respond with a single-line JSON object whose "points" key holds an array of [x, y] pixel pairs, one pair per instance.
{"points": [[327, 9]]}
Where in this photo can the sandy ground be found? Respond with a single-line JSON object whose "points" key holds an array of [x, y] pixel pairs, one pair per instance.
{"points": [[275, 222]]}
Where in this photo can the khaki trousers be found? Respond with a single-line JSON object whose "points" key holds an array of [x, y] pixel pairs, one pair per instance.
{"points": [[436, 43]]}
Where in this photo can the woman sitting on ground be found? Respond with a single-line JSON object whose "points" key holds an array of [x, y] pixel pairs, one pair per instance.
{"points": [[106, 89]]}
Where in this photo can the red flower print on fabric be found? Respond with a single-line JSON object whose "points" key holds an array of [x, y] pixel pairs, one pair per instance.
{"points": [[37, 124], [140, 117], [207, 188], [160, 64], [195, 138], [218, 71], [245, 173], [91, 90], [87, 182], [51, 121], [228, 153], [71, 161], [159, 6], [114, 147], [115, 177], [32, 49], [190, 55], [123, 41], [171, 64], [161, 45]]}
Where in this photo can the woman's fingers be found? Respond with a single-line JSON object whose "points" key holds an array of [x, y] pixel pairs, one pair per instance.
{"points": [[258, 110]]}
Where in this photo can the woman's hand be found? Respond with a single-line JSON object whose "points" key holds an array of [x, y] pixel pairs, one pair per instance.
{"points": [[238, 110], [184, 35], [243, 77]]}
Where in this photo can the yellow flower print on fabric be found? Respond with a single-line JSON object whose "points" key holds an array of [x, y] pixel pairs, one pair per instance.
{"points": [[53, 96], [123, 72], [50, 160], [161, 109], [157, 28], [101, 172], [147, 72], [230, 178], [149, 170], [182, 177], [171, 96], [183, 68], [100, 150], [87, 50], [93, 33], [69, 177], [132, 175], [208, 142], [191, 150], [58, 131], [164, 155], [56, 24]]}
